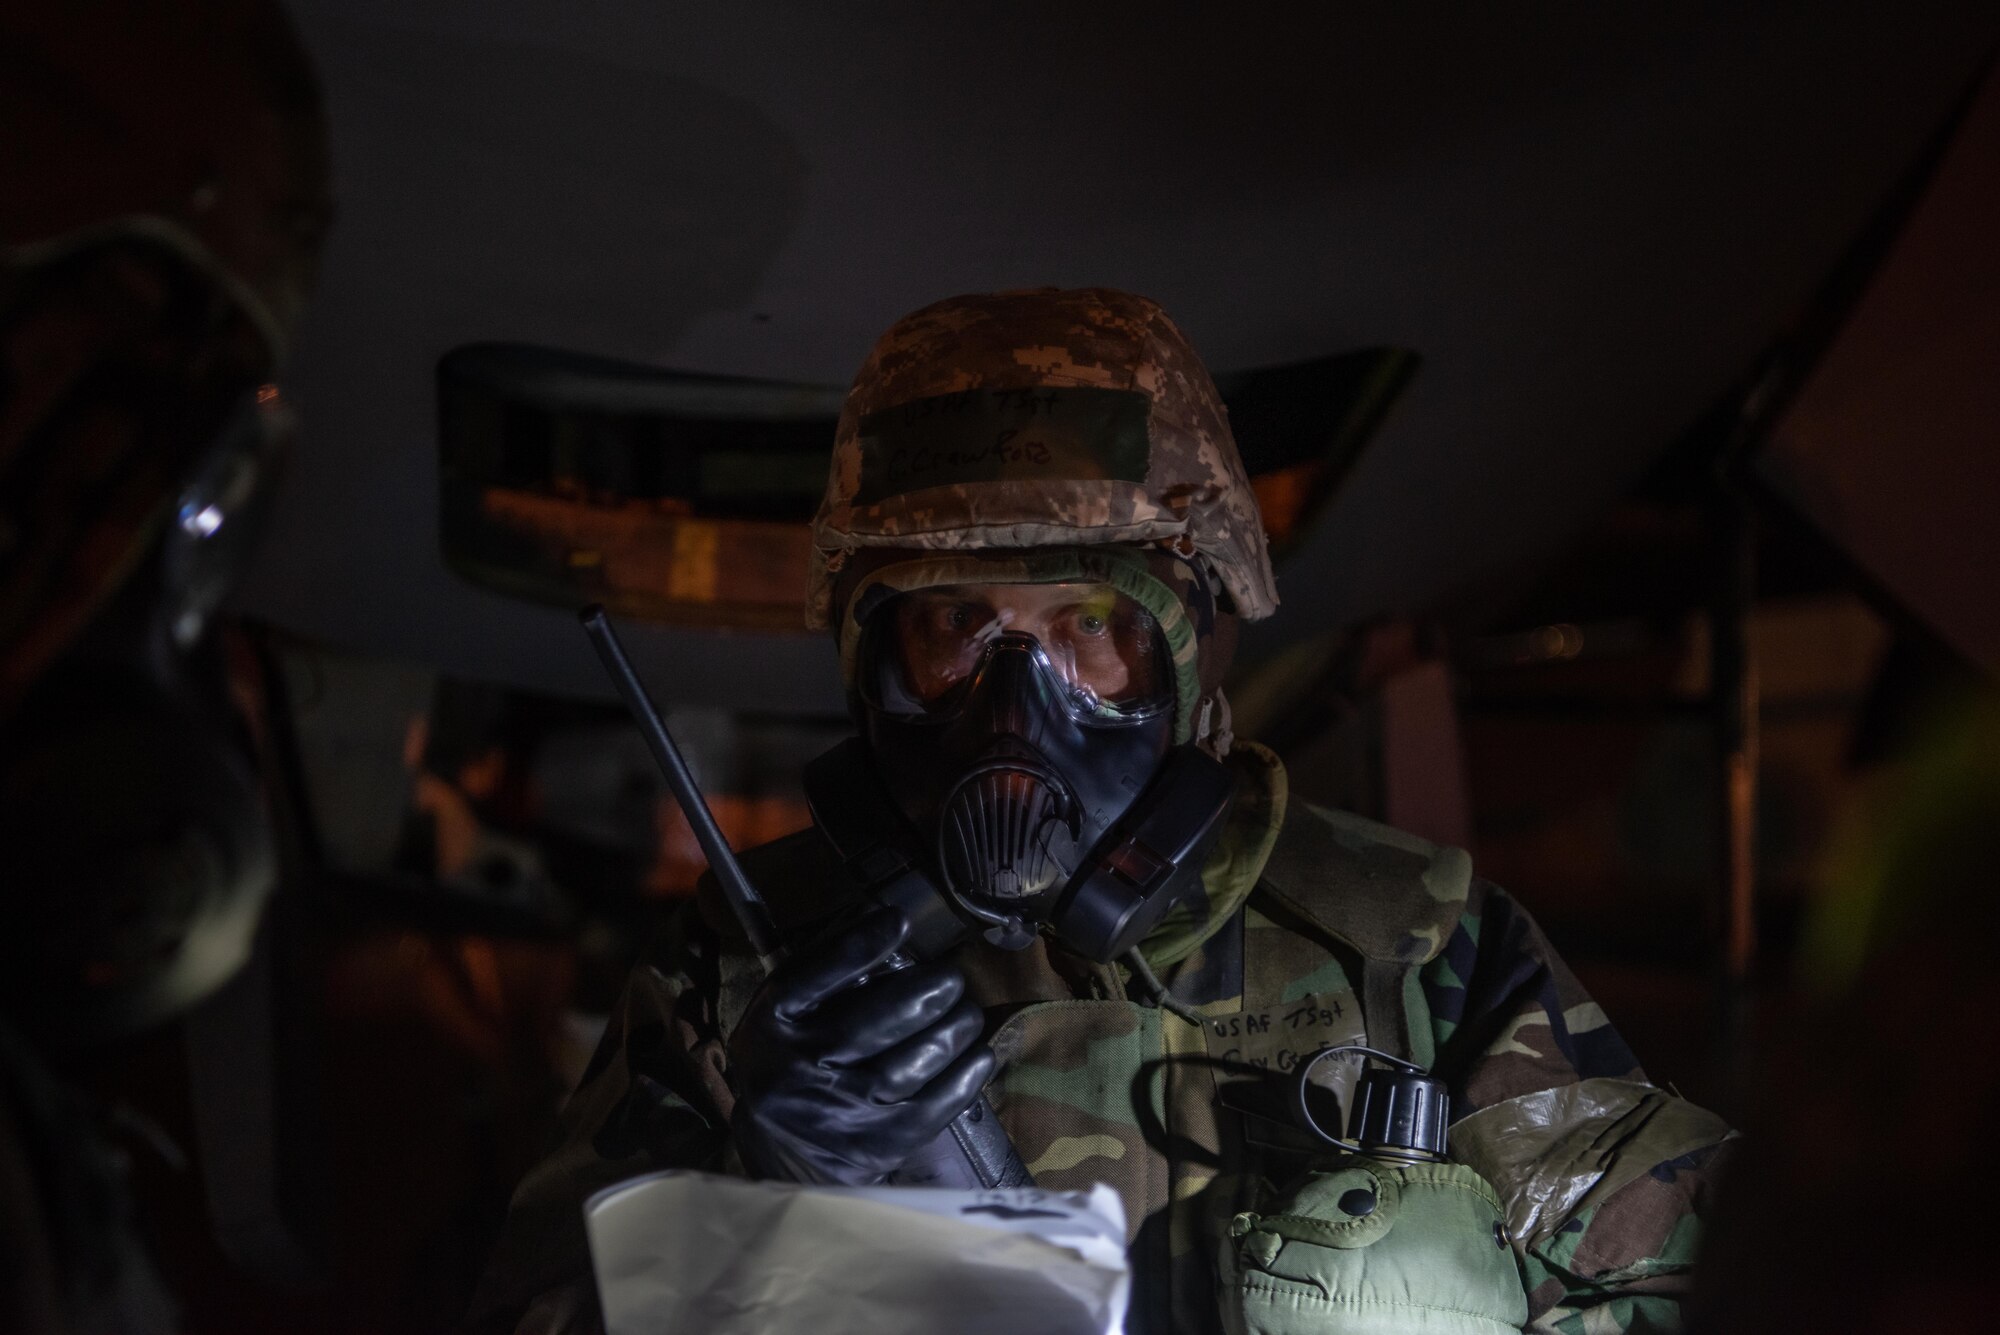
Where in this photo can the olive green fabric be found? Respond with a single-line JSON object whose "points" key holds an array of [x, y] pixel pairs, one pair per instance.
{"points": [[1191, 1123], [1558, 1151], [1408, 894], [1235, 864], [1366, 1247]]}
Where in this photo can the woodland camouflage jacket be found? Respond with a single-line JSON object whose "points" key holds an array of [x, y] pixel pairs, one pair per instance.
{"points": [[1320, 928]]}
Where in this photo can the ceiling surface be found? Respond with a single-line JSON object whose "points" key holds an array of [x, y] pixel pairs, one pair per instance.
{"points": [[1587, 218]]}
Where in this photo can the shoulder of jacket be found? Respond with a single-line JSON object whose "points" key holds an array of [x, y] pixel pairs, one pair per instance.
{"points": [[799, 875], [1388, 894]]}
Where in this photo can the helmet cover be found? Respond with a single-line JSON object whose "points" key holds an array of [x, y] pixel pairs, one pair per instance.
{"points": [[1035, 419]]}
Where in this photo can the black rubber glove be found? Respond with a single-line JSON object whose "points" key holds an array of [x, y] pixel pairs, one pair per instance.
{"points": [[840, 1084]]}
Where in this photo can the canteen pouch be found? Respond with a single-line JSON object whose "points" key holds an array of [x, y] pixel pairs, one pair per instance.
{"points": [[1364, 1246]]}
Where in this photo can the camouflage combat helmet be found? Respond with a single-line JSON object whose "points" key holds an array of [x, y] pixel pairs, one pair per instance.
{"points": [[1069, 434]]}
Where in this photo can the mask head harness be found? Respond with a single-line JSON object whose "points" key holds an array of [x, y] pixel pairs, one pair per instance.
{"points": [[1018, 759]]}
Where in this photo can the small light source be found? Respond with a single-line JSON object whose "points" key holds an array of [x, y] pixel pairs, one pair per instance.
{"points": [[201, 522]]}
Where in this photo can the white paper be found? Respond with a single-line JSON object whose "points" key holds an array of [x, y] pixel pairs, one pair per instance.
{"points": [[679, 1251]]}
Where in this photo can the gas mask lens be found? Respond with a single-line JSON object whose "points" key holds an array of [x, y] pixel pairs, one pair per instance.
{"points": [[1102, 649]]}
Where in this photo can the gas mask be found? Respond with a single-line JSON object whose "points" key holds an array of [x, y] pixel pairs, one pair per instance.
{"points": [[132, 819], [1016, 754], [131, 815]]}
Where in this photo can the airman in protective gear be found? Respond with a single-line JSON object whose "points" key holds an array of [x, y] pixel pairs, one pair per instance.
{"points": [[163, 195], [166, 196], [1036, 541]]}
